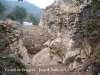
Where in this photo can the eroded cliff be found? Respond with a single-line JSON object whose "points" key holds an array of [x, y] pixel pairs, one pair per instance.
{"points": [[77, 27]]}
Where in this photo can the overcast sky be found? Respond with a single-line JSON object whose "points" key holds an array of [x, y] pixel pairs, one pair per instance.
{"points": [[41, 3]]}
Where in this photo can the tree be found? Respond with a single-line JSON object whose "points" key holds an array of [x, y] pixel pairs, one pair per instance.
{"points": [[19, 13], [10, 15], [2, 8], [32, 19]]}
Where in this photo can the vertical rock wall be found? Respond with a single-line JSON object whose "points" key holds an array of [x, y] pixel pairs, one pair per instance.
{"points": [[71, 22]]}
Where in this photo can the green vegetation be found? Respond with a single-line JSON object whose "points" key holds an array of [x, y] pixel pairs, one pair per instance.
{"points": [[18, 13], [95, 1], [30, 8], [2, 8], [32, 19], [10, 15], [96, 5], [94, 30], [97, 54]]}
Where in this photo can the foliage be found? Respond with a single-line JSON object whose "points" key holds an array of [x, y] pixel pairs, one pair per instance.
{"points": [[97, 54], [2, 8], [33, 19], [9, 5], [96, 5], [19, 13], [95, 1], [10, 15]]}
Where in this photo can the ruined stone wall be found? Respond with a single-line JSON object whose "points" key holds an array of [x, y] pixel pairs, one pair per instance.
{"points": [[71, 23], [9, 48]]}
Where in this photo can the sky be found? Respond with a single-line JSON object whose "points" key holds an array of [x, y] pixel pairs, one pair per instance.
{"points": [[41, 3]]}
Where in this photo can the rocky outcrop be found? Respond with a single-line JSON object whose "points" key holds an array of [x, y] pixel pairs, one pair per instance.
{"points": [[10, 30], [73, 23], [9, 64], [24, 42], [43, 57]]}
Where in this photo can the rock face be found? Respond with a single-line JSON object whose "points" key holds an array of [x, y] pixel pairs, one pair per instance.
{"points": [[72, 22], [8, 37], [43, 57], [10, 30], [24, 42]]}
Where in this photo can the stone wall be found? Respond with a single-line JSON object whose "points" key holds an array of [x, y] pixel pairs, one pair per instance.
{"points": [[72, 23]]}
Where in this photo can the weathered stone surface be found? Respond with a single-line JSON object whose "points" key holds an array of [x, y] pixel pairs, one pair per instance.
{"points": [[47, 43], [72, 22], [8, 49], [42, 58], [12, 34]]}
